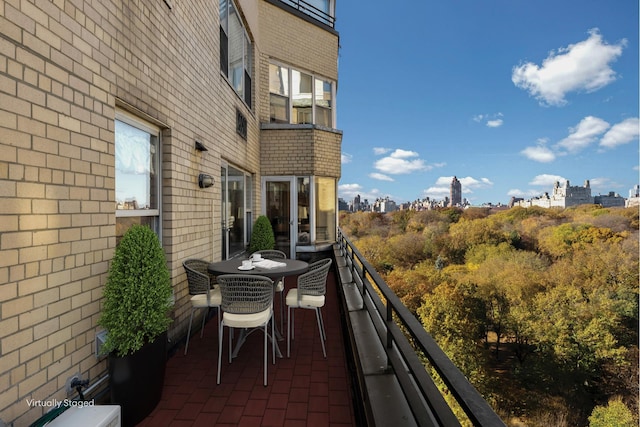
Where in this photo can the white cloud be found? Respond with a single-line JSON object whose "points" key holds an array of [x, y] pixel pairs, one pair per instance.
{"points": [[401, 162], [491, 120], [348, 191], [350, 187], [621, 133], [546, 180], [602, 185], [469, 184], [516, 192], [345, 158], [436, 192], [378, 151], [585, 133], [540, 153], [380, 176], [584, 66], [442, 186]]}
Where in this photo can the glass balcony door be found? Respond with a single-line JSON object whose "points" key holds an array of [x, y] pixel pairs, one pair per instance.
{"points": [[234, 210], [278, 201]]}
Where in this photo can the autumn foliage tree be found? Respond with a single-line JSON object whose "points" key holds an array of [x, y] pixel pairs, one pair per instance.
{"points": [[545, 300]]}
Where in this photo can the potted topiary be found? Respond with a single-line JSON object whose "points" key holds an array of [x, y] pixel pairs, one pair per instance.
{"points": [[262, 235], [136, 316]]}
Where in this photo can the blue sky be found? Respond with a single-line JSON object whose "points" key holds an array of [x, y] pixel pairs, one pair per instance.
{"points": [[507, 95]]}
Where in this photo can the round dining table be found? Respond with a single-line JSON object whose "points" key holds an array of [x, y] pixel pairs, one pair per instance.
{"points": [[291, 267]]}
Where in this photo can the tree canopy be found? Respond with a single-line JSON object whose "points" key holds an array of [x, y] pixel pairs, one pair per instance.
{"points": [[538, 307]]}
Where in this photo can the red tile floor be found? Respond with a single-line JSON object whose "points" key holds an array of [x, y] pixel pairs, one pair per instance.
{"points": [[304, 390]]}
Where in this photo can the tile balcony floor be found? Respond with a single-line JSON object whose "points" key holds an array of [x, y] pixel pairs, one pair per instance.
{"points": [[304, 390]]}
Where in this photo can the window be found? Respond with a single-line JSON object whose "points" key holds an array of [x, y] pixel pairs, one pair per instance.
{"points": [[137, 167], [326, 202], [235, 50], [304, 211], [323, 102], [300, 98], [236, 203], [279, 93]]}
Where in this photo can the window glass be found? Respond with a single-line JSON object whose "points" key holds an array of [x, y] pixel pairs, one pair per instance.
{"points": [[279, 93], [236, 194], [224, 7], [301, 97], [137, 165], [326, 202], [235, 50], [322, 5], [323, 103], [279, 109], [304, 220], [278, 80], [298, 97]]}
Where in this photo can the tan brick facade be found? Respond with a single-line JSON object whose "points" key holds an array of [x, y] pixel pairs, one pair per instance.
{"points": [[289, 150], [66, 68]]}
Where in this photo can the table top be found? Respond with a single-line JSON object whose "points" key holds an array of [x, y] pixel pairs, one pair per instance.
{"points": [[230, 266]]}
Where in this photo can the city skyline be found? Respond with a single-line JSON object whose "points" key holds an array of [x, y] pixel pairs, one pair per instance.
{"points": [[510, 98]]}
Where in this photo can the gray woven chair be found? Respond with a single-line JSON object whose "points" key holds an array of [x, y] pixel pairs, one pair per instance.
{"points": [[310, 294], [202, 290], [247, 302], [279, 286]]}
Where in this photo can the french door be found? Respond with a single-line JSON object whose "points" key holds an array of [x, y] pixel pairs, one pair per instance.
{"points": [[236, 210], [278, 200]]}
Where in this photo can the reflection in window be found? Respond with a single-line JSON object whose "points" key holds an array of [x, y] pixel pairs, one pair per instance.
{"points": [[137, 165], [301, 97], [323, 103], [326, 202], [279, 93], [304, 220]]}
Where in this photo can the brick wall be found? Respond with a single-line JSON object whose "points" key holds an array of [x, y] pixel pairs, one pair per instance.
{"points": [[300, 150], [65, 69], [293, 41]]}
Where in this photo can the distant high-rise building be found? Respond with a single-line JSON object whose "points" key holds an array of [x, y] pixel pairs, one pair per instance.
{"points": [[456, 192]]}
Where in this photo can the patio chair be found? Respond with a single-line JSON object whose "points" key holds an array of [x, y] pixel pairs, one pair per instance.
{"points": [[247, 302], [204, 293], [310, 294], [279, 286]]}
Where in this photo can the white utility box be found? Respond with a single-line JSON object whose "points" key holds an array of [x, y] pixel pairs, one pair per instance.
{"points": [[89, 416]]}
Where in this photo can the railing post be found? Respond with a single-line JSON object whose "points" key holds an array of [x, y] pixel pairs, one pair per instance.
{"points": [[389, 321]]}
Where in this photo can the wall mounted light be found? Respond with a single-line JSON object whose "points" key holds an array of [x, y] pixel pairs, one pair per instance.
{"points": [[205, 181], [200, 146]]}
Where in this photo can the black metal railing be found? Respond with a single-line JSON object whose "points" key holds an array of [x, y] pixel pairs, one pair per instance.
{"points": [[312, 11], [394, 324]]}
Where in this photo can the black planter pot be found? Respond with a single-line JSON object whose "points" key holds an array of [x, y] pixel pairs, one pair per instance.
{"points": [[136, 380]]}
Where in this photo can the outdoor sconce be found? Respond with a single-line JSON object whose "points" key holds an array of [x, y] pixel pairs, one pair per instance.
{"points": [[200, 146], [205, 181]]}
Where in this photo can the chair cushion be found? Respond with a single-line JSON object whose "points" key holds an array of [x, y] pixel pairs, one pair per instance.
{"points": [[246, 320], [200, 300], [311, 301]]}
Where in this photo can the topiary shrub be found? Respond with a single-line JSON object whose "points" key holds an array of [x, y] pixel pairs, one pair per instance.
{"points": [[262, 236], [137, 293]]}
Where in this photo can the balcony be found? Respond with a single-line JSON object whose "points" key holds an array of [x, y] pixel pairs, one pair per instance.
{"points": [[307, 9], [373, 374]]}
